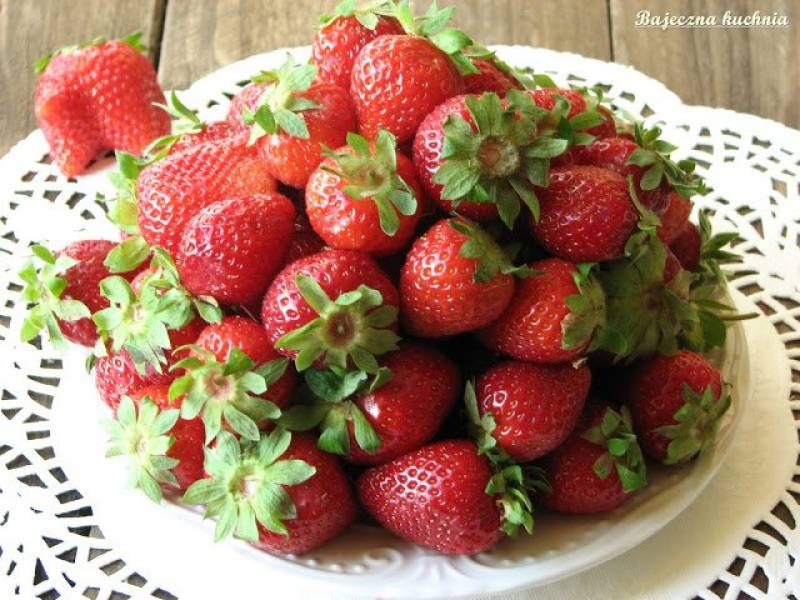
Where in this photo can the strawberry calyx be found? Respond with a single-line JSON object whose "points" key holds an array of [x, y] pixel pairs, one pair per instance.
{"points": [[228, 390], [366, 13], [280, 108], [587, 308], [491, 258], [510, 482], [623, 454], [140, 323], [43, 291], [143, 436], [185, 122], [245, 485], [134, 40], [697, 423], [371, 174], [331, 408], [355, 327]]}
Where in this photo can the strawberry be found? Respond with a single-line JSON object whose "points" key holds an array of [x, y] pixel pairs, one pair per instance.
{"points": [[64, 291], [598, 467], [171, 191], [372, 423], [245, 101], [219, 131], [489, 78], [98, 97], [552, 316], [528, 410], [165, 452], [304, 241], [687, 246], [365, 197], [342, 36], [676, 403], [232, 249], [674, 218], [445, 496], [455, 279], [280, 493], [295, 119], [586, 214], [303, 322], [116, 375]]}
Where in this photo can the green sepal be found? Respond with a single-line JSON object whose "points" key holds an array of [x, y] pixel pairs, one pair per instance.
{"points": [[587, 308], [491, 259], [511, 484], [143, 436], [246, 485], [185, 122], [481, 428], [366, 13], [623, 454], [127, 255], [43, 291]]}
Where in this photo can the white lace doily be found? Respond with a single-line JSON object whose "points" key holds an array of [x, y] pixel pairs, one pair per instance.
{"points": [[739, 537]]}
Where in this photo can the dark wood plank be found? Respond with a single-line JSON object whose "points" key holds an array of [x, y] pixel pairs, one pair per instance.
{"points": [[751, 70], [32, 28], [202, 35]]}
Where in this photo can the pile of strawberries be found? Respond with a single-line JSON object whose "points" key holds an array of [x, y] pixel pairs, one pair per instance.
{"points": [[305, 290]]}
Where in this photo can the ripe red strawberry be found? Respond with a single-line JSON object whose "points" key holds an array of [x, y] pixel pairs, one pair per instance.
{"points": [[443, 496], [527, 409], [218, 131], [552, 316], [674, 218], [455, 279], [331, 307], [245, 101], [397, 80], [98, 97], [365, 197], [115, 376], [174, 189], [676, 403], [295, 120], [281, 494], [232, 249], [586, 214], [489, 78], [598, 467], [304, 242], [342, 36], [687, 246], [64, 291]]}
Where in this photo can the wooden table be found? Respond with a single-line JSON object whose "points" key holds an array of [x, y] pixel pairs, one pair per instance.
{"points": [[750, 70]]}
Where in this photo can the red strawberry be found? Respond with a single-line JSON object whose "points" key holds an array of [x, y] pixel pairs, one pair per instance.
{"points": [[546, 98], [676, 403], [330, 306], [304, 241], [455, 279], [218, 131], [64, 291], [174, 189], [397, 80], [533, 408], [584, 475], [233, 248], [281, 494], [674, 218], [342, 37], [608, 128], [295, 120], [586, 214], [687, 246], [98, 97], [115, 376], [489, 78], [245, 101], [365, 197], [440, 496], [552, 316]]}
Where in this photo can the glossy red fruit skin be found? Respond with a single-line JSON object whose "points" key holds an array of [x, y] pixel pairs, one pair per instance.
{"points": [[674, 217], [396, 81], [248, 98], [489, 79], [337, 44], [304, 242], [408, 411], [83, 282], [655, 393], [437, 291], [337, 271], [687, 246], [325, 503], [189, 436], [586, 214], [249, 337], [546, 98], [174, 189], [575, 487], [233, 248], [435, 497], [291, 160], [212, 132], [531, 328], [349, 224], [427, 157], [535, 407], [96, 99], [607, 128]]}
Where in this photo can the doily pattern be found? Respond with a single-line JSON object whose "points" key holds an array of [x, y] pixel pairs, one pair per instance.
{"points": [[59, 549]]}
